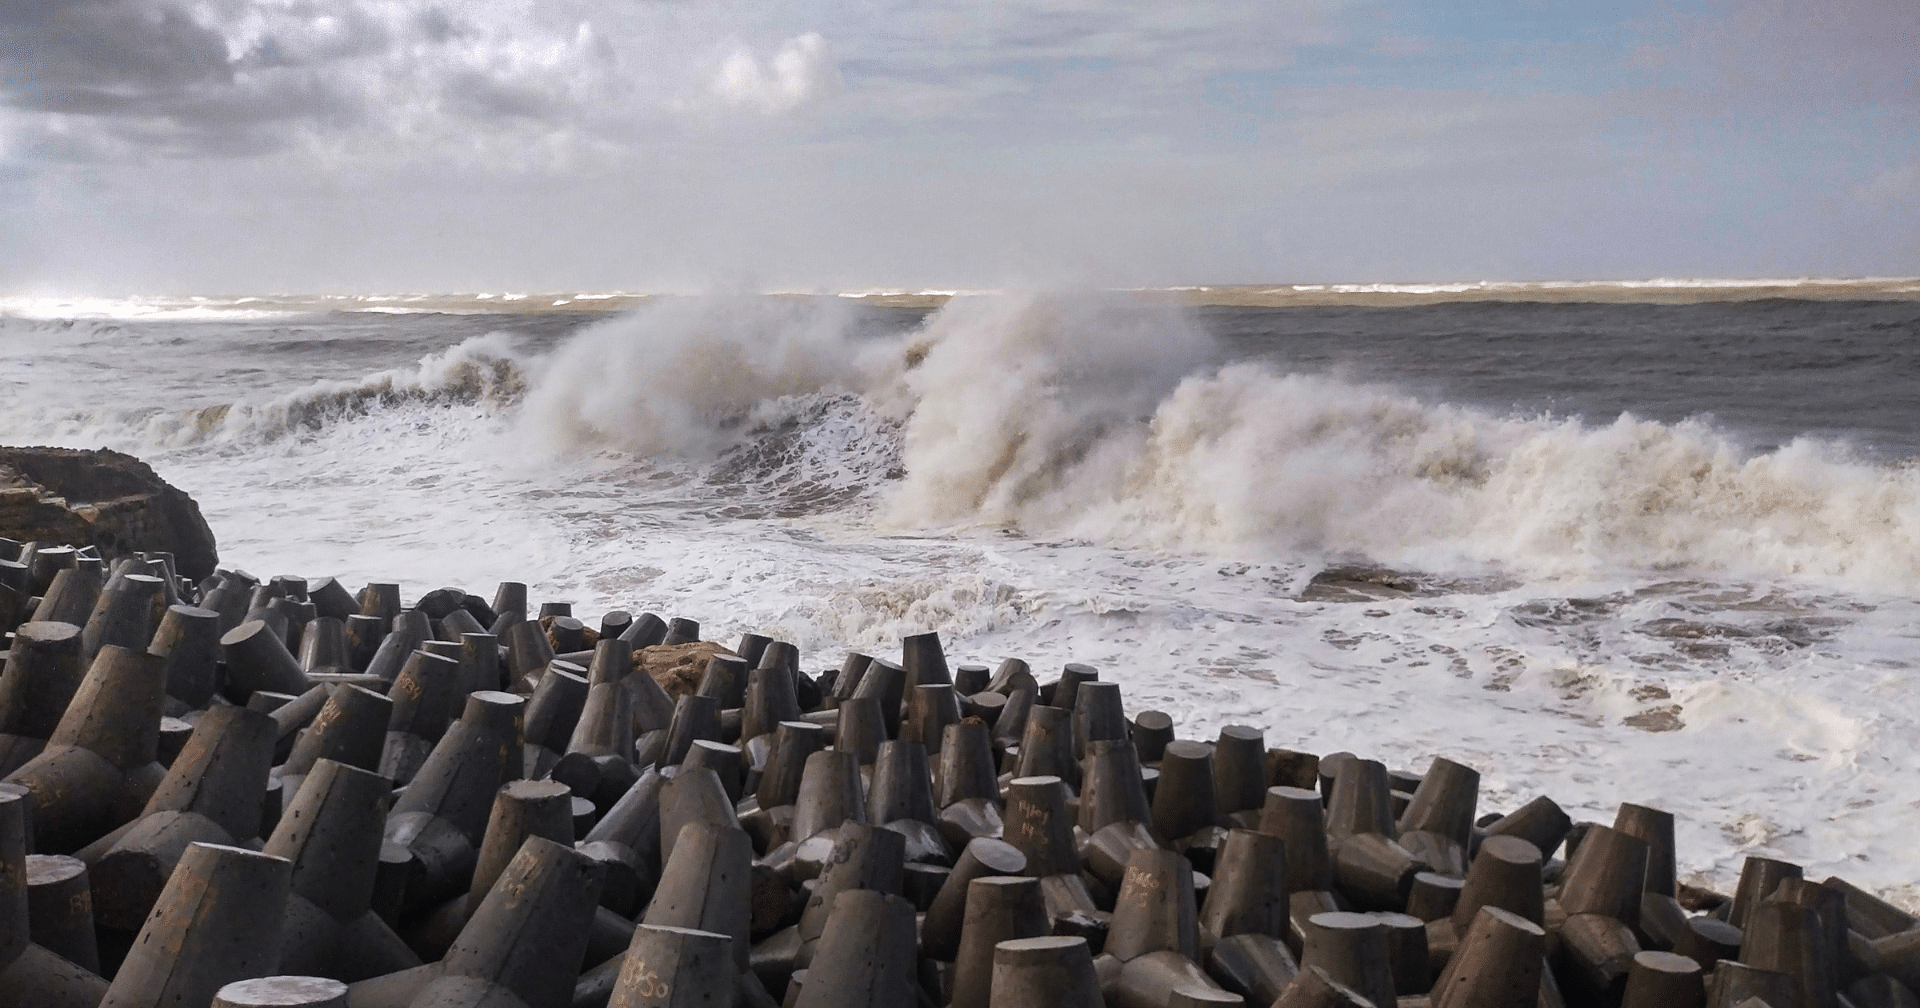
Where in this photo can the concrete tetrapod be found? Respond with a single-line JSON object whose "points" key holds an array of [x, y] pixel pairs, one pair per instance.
{"points": [[1785, 937], [830, 794], [442, 815], [1497, 965], [125, 614], [865, 957], [527, 937], [331, 832], [210, 795], [521, 809], [1111, 789], [217, 921], [98, 770], [351, 728]]}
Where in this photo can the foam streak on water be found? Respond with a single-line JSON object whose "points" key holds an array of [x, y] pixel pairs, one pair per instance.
{"points": [[1615, 608]]}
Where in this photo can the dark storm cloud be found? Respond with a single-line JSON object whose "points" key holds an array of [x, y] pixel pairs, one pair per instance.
{"points": [[94, 58]]}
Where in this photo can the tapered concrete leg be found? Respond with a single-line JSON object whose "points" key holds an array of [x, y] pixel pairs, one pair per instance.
{"points": [[830, 794], [189, 639], [1606, 876], [1497, 965], [1656, 829], [1183, 800], [530, 933], [999, 908], [257, 659], [901, 784], [125, 614], [1046, 746], [707, 885], [862, 729], [442, 815], [1360, 802], [887, 683], [1155, 910], [1595, 954], [1759, 877], [770, 702], [1038, 824], [217, 921], [43, 672], [1050, 972], [930, 709], [1505, 875], [1239, 769], [1249, 893], [1539, 822], [793, 743], [351, 728], [1111, 789], [865, 858], [865, 957], [940, 933], [695, 794], [1352, 948], [1434, 897], [60, 908], [674, 967], [1664, 980], [694, 718], [1785, 937]]}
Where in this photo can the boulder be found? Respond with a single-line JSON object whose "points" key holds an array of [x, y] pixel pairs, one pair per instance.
{"points": [[103, 499], [678, 668]]}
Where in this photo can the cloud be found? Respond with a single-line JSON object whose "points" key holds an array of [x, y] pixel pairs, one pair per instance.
{"points": [[802, 70]]}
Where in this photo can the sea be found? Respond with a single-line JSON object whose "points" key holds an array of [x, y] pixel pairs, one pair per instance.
{"points": [[1652, 542]]}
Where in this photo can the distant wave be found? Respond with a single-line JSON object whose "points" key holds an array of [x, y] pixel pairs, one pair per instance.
{"points": [[484, 370]]}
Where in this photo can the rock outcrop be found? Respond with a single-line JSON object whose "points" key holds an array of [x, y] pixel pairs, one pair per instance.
{"points": [[102, 498]]}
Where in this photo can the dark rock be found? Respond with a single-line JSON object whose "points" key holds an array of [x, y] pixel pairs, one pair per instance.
{"points": [[103, 499]]}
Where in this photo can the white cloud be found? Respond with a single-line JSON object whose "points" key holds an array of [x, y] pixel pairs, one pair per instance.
{"points": [[802, 70]]}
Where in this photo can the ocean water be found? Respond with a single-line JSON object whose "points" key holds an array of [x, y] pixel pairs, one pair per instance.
{"points": [[1601, 550]]}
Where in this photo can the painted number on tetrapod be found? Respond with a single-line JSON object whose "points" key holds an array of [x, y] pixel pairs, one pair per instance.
{"points": [[646, 982]]}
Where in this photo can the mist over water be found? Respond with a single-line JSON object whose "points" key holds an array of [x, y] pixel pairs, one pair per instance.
{"points": [[1651, 552]]}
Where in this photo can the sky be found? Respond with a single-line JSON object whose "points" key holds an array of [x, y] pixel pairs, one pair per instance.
{"points": [[252, 146]]}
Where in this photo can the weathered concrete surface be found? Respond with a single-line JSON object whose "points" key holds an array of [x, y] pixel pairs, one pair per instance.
{"points": [[101, 498]]}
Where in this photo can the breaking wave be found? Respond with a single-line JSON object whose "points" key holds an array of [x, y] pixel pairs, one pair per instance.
{"points": [[1099, 418], [484, 371], [1102, 419]]}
